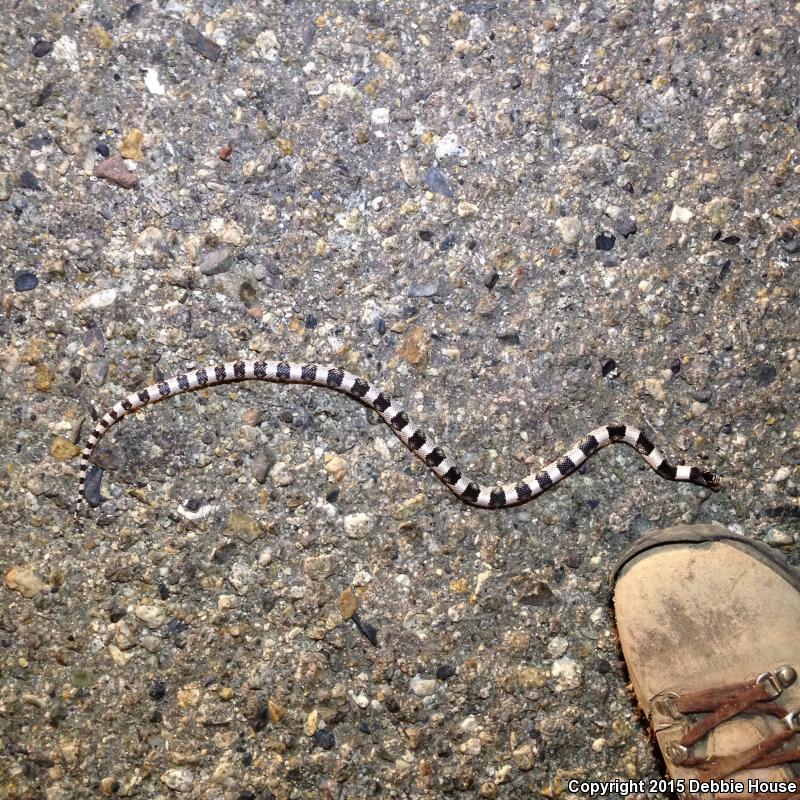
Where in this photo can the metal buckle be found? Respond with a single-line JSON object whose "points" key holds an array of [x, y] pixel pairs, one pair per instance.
{"points": [[664, 704], [792, 720], [776, 682]]}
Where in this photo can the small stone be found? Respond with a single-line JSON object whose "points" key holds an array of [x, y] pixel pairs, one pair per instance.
{"points": [[458, 23], [720, 134], [436, 182], [655, 388], [276, 711], [589, 122], [781, 474], [101, 299], [348, 605], [108, 786], [63, 450], [524, 757], [570, 229], [356, 525], [423, 687], [41, 48], [216, 262], [625, 226], [262, 463], [605, 241], [280, 475], [179, 780], [201, 44], [131, 146], [151, 614], [25, 281], [415, 346], [778, 538], [409, 171], [379, 116], [24, 581], [445, 672], [566, 672], [680, 214], [158, 688], [472, 747], [336, 467], [325, 739], [317, 568], [43, 378], [225, 153], [115, 170], [152, 83], [242, 526], [5, 185], [466, 210], [27, 180], [96, 372]]}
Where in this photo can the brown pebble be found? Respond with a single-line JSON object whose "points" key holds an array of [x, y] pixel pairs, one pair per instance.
{"points": [[63, 450], [113, 169], [225, 152], [347, 604], [276, 711]]}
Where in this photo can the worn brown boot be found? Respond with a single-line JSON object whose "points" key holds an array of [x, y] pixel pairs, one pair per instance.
{"points": [[709, 624]]}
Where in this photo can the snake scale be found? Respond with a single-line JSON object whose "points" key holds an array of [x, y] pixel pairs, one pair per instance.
{"points": [[414, 438]]}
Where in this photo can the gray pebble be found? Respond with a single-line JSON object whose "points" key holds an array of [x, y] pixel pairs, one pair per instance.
{"points": [[424, 289], [436, 182], [96, 372], [262, 464], [216, 262], [625, 226]]}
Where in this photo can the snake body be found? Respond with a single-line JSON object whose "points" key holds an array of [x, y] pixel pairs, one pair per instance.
{"points": [[414, 438]]}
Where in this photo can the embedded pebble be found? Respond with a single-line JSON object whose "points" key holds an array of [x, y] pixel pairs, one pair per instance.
{"points": [[25, 281], [115, 170], [216, 262], [179, 780], [25, 581], [423, 687], [570, 229], [720, 134], [151, 614], [436, 182]]}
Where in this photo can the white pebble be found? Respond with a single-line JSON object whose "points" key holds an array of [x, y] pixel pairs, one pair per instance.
{"points": [[423, 687], [379, 116], [153, 84], [680, 214], [570, 229]]}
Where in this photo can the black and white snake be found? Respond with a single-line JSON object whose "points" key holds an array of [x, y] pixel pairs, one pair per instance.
{"points": [[414, 438]]}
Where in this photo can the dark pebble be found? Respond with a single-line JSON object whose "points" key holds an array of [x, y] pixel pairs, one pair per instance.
{"points": [[392, 705], [573, 561], [246, 794], [311, 321], [625, 226], [609, 366], [675, 366], [363, 727], [605, 241], [447, 243], [133, 12], [515, 81], [369, 631], [116, 614], [157, 689], [445, 671], [589, 122], [603, 666], [27, 180], [25, 281], [731, 240], [764, 374], [425, 235], [201, 44], [380, 326], [324, 739], [103, 150], [436, 182], [716, 236], [490, 279], [163, 591], [41, 48], [509, 337], [91, 489]]}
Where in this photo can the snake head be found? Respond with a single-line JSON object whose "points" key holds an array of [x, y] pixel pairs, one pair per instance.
{"points": [[705, 478]]}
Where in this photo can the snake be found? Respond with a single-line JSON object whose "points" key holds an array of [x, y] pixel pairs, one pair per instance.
{"points": [[420, 443]]}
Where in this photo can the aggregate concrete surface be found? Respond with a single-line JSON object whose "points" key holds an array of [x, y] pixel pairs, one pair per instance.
{"points": [[523, 220]]}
